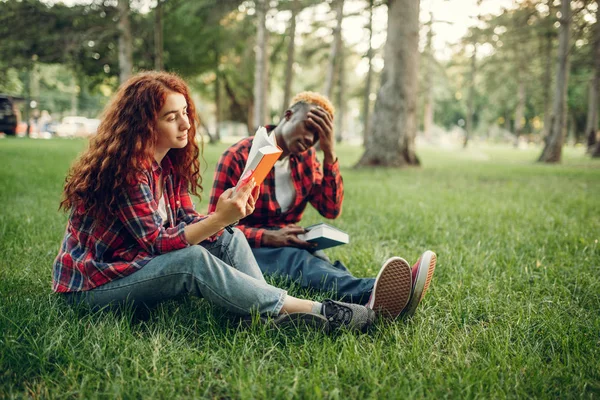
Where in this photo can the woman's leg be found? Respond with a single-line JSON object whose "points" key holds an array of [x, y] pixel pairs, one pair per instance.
{"points": [[193, 270], [234, 250]]}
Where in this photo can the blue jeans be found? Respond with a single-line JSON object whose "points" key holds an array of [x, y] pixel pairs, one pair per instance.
{"points": [[315, 271], [223, 272]]}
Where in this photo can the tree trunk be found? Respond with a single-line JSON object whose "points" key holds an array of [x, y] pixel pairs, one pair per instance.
{"points": [[428, 111], [553, 149], [125, 41], [158, 36], [520, 111], [74, 95], [394, 115], [289, 66], [260, 71], [367, 95], [341, 99], [547, 82], [27, 105], [591, 126], [471, 100], [217, 105], [335, 48]]}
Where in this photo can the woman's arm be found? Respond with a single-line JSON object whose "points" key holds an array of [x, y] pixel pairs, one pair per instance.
{"points": [[231, 207]]}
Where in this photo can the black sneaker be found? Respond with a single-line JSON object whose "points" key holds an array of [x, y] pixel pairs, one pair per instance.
{"points": [[346, 315]]}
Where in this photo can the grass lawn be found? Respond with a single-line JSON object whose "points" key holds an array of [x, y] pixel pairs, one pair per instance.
{"points": [[513, 311]]}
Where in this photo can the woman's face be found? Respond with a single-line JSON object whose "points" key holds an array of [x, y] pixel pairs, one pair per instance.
{"points": [[172, 125]]}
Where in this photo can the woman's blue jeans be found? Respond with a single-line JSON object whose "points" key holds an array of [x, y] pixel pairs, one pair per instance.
{"points": [[223, 272]]}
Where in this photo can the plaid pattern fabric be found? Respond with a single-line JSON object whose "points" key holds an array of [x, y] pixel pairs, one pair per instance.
{"points": [[95, 251], [322, 188]]}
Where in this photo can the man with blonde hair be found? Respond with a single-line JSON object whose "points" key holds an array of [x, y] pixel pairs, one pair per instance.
{"points": [[297, 179]]}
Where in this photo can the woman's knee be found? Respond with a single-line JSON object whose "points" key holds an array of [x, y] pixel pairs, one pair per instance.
{"points": [[189, 259], [238, 236]]}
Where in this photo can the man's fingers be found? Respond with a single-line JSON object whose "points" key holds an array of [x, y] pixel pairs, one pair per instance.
{"points": [[322, 116], [295, 229], [300, 243]]}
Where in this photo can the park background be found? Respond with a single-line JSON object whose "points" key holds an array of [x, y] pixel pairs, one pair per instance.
{"points": [[493, 106]]}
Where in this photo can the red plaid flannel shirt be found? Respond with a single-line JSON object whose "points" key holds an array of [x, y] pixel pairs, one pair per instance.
{"points": [[95, 251], [323, 188]]}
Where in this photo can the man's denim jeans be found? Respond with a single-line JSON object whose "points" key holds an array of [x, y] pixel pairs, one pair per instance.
{"points": [[223, 272], [315, 271]]}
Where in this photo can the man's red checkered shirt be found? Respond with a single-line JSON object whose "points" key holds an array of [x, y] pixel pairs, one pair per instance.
{"points": [[323, 188], [95, 251]]}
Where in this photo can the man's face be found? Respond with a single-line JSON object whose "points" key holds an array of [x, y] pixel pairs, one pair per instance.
{"points": [[297, 135]]}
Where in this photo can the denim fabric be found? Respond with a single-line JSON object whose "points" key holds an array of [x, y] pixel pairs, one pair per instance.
{"points": [[315, 271], [223, 272]]}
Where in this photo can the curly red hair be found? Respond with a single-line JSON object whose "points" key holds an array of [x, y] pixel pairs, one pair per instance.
{"points": [[124, 145]]}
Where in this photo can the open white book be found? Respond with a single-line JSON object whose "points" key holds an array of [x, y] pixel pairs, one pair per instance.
{"points": [[325, 236], [261, 158]]}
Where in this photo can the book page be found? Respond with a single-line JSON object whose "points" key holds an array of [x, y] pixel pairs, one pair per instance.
{"points": [[261, 139]]}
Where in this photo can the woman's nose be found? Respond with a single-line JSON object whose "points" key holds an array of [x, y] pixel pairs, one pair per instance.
{"points": [[185, 124]]}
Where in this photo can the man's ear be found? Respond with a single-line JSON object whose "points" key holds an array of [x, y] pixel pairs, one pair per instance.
{"points": [[288, 114]]}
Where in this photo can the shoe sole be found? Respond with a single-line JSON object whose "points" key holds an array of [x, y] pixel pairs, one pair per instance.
{"points": [[299, 319], [424, 274], [291, 320], [392, 288]]}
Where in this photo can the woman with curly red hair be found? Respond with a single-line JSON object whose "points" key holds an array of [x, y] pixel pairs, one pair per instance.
{"points": [[133, 234]]}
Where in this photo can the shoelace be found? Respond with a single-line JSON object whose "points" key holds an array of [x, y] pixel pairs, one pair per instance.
{"points": [[337, 314]]}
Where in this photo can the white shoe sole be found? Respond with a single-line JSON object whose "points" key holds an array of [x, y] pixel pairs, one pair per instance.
{"points": [[392, 288], [423, 279]]}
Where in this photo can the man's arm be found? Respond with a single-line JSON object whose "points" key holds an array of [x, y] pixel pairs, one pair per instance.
{"points": [[327, 193], [328, 189]]}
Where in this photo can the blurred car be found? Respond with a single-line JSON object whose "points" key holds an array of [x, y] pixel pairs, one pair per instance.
{"points": [[92, 125], [77, 127], [8, 116]]}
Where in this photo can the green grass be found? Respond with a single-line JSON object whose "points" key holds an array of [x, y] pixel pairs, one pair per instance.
{"points": [[513, 311]]}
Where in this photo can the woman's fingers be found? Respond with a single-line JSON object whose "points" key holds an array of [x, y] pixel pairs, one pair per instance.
{"points": [[226, 194]]}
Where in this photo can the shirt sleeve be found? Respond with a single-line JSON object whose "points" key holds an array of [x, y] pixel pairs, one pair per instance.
{"points": [[228, 171], [327, 193], [186, 211], [253, 235], [137, 210]]}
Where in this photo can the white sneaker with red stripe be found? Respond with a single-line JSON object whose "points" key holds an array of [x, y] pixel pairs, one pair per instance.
{"points": [[422, 272]]}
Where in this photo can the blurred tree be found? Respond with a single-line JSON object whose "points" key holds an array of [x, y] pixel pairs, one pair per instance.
{"points": [[336, 45], [547, 36], [394, 116], [591, 126], [294, 6], [158, 36], [553, 148], [469, 127], [368, 78], [261, 66], [125, 41]]}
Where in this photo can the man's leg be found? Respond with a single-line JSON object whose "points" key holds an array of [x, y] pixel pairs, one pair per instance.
{"points": [[301, 266]]}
